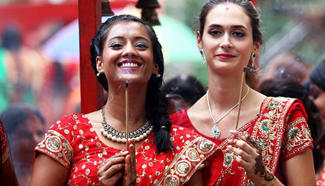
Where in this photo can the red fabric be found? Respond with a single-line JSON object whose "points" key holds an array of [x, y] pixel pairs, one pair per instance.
{"points": [[253, 1], [279, 117], [4, 143], [72, 142], [320, 178]]}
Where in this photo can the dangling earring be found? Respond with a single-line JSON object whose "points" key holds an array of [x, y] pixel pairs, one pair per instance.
{"points": [[253, 60], [203, 56], [98, 74], [251, 68], [157, 75]]}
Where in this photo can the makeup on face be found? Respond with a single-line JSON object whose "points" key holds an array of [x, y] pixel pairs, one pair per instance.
{"points": [[128, 53]]}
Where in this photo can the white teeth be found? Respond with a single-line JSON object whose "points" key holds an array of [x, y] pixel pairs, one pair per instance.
{"points": [[129, 65]]}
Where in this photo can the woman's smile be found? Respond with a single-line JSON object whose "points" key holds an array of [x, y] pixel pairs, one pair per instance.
{"points": [[129, 65]]}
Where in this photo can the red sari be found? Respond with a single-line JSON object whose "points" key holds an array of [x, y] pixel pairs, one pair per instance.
{"points": [[279, 128], [73, 143]]}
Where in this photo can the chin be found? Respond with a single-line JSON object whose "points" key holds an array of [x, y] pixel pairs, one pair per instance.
{"points": [[134, 79]]}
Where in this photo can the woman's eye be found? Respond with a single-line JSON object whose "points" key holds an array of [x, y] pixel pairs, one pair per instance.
{"points": [[141, 46], [214, 32], [115, 46], [238, 34]]}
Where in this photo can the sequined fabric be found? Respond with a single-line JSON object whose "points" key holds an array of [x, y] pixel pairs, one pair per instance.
{"points": [[280, 129], [4, 144], [73, 143]]}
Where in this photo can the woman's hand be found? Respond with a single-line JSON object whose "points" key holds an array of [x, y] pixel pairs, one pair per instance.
{"points": [[111, 170], [249, 156], [129, 177]]}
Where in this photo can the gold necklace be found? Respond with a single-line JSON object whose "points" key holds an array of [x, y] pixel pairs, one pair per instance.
{"points": [[215, 131]]}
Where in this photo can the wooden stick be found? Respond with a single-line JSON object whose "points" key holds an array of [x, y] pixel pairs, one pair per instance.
{"points": [[240, 95], [126, 114]]}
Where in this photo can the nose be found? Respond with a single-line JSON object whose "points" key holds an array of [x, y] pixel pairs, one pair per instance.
{"points": [[226, 42], [129, 50]]}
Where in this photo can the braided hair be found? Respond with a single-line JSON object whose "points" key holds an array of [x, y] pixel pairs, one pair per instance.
{"points": [[156, 104]]}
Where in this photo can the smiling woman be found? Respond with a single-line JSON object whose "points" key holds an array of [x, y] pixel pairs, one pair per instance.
{"points": [[89, 149]]}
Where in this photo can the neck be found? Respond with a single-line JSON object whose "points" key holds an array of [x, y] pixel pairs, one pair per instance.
{"points": [[115, 106], [224, 91]]}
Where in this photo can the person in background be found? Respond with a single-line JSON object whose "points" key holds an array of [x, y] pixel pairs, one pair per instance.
{"points": [[7, 172], [21, 68], [182, 92], [25, 127], [92, 148], [293, 89], [317, 87], [288, 67], [265, 140]]}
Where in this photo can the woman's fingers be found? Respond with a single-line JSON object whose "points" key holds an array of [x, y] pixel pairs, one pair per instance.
{"points": [[115, 159], [130, 166], [112, 181]]}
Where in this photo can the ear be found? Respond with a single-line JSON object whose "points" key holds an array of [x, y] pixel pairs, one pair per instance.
{"points": [[199, 40], [99, 64], [155, 69], [256, 47]]}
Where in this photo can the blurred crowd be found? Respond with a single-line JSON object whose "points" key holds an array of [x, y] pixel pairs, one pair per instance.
{"points": [[34, 92]]}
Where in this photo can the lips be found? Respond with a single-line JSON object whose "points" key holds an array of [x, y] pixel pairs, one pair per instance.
{"points": [[225, 56]]}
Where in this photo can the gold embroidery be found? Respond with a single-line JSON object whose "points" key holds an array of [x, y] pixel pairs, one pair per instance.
{"points": [[205, 146], [192, 155], [53, 143], [183, 167], [190, 159], [171, 180], [58, 147]]}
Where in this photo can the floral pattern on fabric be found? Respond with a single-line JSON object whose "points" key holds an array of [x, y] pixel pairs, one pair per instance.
{"points": [[280, 129], [73, 142]]}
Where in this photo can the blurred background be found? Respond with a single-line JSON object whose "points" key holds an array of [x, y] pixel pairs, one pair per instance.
{"points": [[39, 55]]}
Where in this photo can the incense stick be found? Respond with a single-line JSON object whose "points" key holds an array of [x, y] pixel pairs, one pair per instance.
{"points": [[240, 95], [126, 114]]}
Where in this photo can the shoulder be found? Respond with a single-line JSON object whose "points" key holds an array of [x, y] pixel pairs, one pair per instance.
{"points": [[280, 104], [68, 121]]}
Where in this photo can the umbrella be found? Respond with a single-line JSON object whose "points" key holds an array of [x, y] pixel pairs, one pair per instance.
{"points": [[64, 45]]}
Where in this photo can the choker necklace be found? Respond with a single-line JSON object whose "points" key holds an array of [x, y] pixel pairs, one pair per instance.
{"points": [[215, 129], [120, 137]]}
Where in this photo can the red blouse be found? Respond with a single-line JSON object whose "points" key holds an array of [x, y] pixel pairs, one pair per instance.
{"points": [[280, 129], [73, 143]]}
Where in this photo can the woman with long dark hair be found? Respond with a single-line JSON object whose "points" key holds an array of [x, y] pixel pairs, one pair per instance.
{"points": [[89, 149]]}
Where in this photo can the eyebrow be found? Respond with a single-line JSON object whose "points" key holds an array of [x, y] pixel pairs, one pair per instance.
{"points": [[232, 26], [136, 38]]}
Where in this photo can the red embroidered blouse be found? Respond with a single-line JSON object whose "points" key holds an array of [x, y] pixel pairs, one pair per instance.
{"points": [[72, 142]]}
